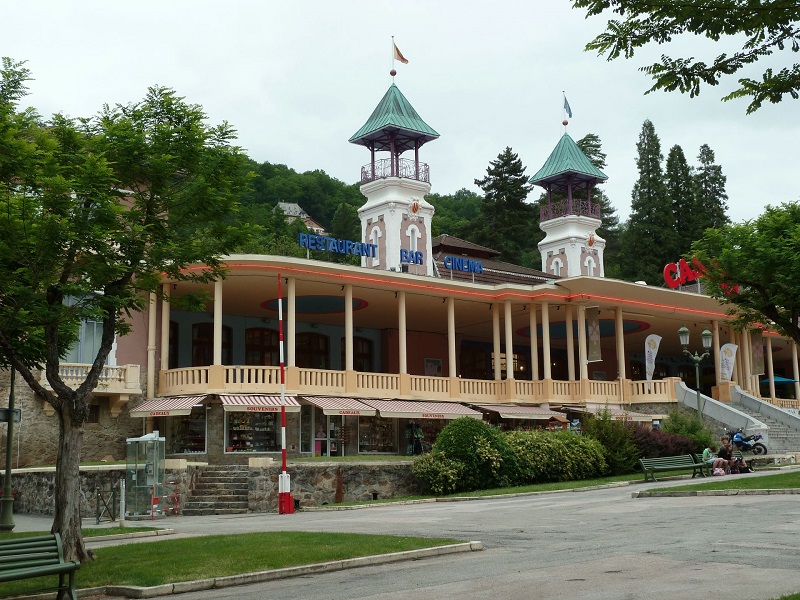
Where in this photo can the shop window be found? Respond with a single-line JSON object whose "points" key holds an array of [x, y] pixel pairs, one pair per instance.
{"points": [[311, 351], [253, 432], [203, 345], [261, 347], [377, 434], [187, 434], [362, 355], [94, 414]]}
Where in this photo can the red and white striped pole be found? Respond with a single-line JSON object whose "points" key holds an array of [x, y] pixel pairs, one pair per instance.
{"points": [[285, 500]]}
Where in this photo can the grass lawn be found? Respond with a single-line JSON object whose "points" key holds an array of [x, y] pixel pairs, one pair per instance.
{"points": [[175, 560], [744, 482]]}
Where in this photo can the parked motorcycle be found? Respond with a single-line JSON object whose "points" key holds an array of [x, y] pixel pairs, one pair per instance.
{"points": [[748, 443]]}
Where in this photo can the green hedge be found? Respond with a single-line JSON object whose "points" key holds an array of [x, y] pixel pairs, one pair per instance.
{"points": [[545, 456]]}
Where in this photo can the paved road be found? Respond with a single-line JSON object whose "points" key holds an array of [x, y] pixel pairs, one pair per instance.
{"points": [[596, 545]]}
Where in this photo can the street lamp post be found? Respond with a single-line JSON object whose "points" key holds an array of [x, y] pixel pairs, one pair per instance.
{"points": [[683, 334], [7, 501]]}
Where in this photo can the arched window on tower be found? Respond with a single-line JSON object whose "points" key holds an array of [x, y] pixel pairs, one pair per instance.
{"points": [[413, 235], [556, 266], [590, 266], [375, 238]]}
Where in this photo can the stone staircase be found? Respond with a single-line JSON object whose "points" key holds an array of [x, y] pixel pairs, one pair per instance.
{"points": [[781, 439], [219, 490]]}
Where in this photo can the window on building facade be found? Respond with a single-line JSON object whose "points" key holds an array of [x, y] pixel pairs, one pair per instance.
{"points": [[312, 350], [362, 355], [203, 345], [261, 347], [89, 338]]}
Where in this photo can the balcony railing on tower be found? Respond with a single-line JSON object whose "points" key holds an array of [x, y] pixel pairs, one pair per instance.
{"points": [[565, 207], [404, 167]]}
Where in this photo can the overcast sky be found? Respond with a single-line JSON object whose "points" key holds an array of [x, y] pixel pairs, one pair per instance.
{"points": [[297, 79]]}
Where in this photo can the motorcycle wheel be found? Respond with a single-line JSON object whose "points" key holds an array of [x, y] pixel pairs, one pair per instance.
{"points": [[759, 449]]}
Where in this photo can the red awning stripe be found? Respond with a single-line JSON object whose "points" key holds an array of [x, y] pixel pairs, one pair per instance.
{"points": [[409, 409], [340, 406], [169, 406], [258, 403], [508, 411]]}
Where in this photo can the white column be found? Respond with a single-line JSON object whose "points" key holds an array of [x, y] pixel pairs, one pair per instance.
{"points": [[570, 344], [534, 343], [737, 362], [165, 310], [770, 370], [746, 365], [715, 345], [546, 359], [509, 333], [582, 352], [401, 331], [348, 326], [498, 374], [795, 371], [620, 335], [451, 337], [291, 321], [151, 345], [218, 322]]}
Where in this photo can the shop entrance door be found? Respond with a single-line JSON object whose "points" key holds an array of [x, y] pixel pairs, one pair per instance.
{"points": [[328, 434]]}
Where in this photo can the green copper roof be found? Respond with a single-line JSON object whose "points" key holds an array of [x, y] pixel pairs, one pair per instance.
{"points": [[395, 116], [567, 159]]}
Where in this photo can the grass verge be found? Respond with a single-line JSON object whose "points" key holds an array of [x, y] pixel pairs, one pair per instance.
{"points": [[188, 559], [781, 481], [87, 532]]}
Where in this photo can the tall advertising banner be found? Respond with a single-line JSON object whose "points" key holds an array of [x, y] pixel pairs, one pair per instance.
{"points": [[727, 359], [593, 323], [650, 352], [758, 352]]}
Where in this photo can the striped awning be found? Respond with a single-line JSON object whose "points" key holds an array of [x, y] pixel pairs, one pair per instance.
{"points": [[533, 413], [168, 406], [268, 404], [340, 406], [409, 409]]}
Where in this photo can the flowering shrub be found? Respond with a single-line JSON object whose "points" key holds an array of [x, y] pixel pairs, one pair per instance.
{"points": [[437, 473], [653, 443], [483, 451], [544, 456]]}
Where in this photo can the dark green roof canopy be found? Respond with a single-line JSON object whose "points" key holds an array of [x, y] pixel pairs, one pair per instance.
{"points": [[395, 116], [567, 160]]}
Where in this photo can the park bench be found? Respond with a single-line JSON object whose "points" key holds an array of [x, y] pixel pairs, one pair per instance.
{"points": [[651, 466], [736, 454], [29, 557]]}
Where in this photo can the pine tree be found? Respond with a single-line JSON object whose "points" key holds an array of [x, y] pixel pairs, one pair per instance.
{"points": [[649, 231], [506, 222], [679, 188], [709, 192], [609, 230]]}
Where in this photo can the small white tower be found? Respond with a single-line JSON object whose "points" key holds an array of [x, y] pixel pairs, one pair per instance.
{"points": [[396, 217], [571, 246]]}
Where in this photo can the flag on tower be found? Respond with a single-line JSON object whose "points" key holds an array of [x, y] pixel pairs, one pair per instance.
{"points": [[399, 55], [567, 108]]}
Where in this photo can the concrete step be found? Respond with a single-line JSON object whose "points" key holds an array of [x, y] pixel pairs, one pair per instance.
{"points": [[214, 511]]}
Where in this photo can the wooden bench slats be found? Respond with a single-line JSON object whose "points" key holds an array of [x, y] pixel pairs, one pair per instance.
{"points": [[671, 463], [27, 558]]}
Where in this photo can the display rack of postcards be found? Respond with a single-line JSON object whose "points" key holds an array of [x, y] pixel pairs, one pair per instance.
{"points": [[188, 433], [376, 434], [251, 433]]}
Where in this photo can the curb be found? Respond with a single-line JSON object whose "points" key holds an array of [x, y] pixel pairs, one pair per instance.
{"points": [[247, 578], [688, 493], [128, 536]]}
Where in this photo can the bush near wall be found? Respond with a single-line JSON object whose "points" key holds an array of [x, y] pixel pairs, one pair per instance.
{"points": [[544, 456], [653, 443]]}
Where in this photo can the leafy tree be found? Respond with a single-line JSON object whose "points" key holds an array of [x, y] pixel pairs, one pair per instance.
{"points": [[650, 227], [709, 192], [760, 27], [345, 223], [755, 266], [94, 212], [454, 212], [506, 221], [681, 195]]}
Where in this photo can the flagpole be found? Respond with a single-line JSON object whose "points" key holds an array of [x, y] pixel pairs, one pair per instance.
{"points": [[285, 500]]}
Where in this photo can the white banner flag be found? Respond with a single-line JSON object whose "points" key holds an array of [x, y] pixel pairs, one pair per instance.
{"points": [[727, 359], [650, 352]]}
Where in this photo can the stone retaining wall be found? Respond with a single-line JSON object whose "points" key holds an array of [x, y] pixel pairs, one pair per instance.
{"points": [[314, 484]]}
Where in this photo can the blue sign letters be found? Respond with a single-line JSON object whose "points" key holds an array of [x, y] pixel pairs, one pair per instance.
{"points": [[459, 263]]}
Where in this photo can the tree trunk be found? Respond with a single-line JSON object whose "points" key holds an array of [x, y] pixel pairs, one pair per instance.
{"points": [[67, 518]]}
